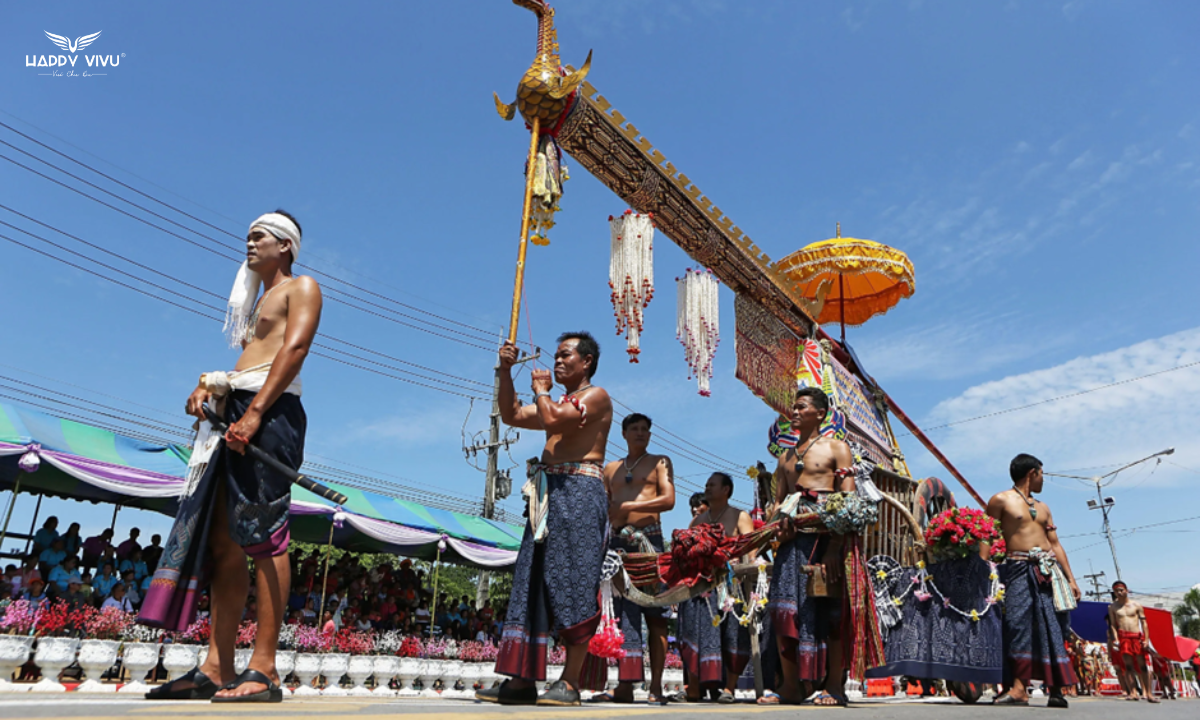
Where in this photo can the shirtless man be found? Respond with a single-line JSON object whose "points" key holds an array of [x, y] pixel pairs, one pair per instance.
{"points": [[557, 575], [1127, 638], [715, 656], [1034, 632], [240, 505], [808, 628], [640, 487]]}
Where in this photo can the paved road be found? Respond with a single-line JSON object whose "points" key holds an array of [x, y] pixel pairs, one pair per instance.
{"points": [[105, 708]]}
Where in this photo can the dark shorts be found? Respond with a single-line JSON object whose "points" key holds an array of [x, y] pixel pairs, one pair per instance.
{"points": [[630, 667]]}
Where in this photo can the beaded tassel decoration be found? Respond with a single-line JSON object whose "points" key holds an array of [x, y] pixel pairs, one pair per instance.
{"points": [[631, 274], [696, 323]]}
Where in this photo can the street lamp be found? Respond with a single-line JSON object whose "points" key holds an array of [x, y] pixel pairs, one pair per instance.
{"points": [[1104, 504]]}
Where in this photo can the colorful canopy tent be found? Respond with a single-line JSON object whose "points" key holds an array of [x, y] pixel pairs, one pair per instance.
{"points": [[63, 458], [1088, 622]]}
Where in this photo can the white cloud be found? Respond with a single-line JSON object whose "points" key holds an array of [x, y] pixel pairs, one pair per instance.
{"points": [[1108, 426]]}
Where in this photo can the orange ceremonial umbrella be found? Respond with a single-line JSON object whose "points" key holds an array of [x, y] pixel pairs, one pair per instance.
{"points": [[855, 279]]}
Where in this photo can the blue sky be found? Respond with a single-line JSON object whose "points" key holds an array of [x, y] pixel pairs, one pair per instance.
{"points": [[1039, 162]]}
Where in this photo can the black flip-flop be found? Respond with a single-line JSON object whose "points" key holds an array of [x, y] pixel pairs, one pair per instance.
{"points": [[607, 697], [839, 702], [272, 694], [1010, 701], [202, 688]]}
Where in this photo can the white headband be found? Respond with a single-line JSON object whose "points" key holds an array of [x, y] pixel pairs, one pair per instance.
{"points": [[247, 282]]}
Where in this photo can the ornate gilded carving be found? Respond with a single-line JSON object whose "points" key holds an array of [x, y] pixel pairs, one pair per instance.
{"points": [[543, 91], [613, 150]]}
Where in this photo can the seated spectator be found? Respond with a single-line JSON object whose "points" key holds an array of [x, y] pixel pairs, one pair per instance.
{"points": [[464, 605], [61, 575], [135, 563], [71, 539], [51, 557], [43, 538], [118, 599], [483, 635], [422, 617], [126, 548], [94, 547], [328, 627], [12, 578], [309, 613], [103, 583], [131, 586], [36, 594], [87, 589], [152, 553], [295, 618], [145, 585], [485, 612], [202, 609], [75, 596]]}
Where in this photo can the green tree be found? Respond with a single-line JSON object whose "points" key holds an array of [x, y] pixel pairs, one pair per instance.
{"points": [[1187, 615]]}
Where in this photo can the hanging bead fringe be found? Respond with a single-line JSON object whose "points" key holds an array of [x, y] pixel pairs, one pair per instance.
{"points": [[631, 274], [697, 324]]}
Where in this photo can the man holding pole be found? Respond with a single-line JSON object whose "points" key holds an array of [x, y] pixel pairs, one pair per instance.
{"points": [[557, 575], [236, 506]]}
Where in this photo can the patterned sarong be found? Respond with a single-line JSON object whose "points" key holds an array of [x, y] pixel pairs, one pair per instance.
{"points": [[709, 652], [1034, 633], [557, 581], [801, 623], [631, 614], [931, 640], [257, 503]]}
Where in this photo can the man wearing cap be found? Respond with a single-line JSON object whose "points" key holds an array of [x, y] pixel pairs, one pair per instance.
{"points": [[234, 506], [36, 594]]}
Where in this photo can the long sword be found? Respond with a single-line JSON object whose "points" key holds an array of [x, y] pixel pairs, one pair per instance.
{"points": [[264, 457]]}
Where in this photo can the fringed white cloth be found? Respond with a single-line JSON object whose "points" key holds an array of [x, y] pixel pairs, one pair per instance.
{"points": [[220, 384], [247, 283]]}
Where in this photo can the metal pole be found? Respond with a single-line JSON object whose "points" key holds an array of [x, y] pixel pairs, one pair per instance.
{"points": [[33, 523], [325, 575], [112, 527], [8, 516], [1108, 531]]}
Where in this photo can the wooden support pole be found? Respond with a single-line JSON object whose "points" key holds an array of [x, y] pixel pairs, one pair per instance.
{"points": [[519, 286]]}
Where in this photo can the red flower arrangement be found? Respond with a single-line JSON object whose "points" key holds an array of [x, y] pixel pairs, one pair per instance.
{"points": [[957, 532], [999, 551], [355, 642], [246, 633], [410, 647]]}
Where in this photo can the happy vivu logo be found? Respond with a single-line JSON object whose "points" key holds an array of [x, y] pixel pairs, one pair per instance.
{"points": [[74, 47]]}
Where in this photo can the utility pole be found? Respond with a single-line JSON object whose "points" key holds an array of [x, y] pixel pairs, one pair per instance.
{"points": [[1105, 504], [498, 484], [1096, 579]]}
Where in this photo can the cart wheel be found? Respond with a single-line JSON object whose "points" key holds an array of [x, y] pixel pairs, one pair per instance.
{"points": [[969, 693]]}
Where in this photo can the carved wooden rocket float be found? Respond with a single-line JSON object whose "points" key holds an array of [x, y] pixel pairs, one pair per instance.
{"points": [[586, 126]]}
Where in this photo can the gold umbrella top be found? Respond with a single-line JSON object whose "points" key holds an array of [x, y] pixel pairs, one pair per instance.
{"points": [[850, 280]]}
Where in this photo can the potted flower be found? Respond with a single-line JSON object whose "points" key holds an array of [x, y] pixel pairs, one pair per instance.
{"points": [[139, 655], [385, 661], [487, 655], [310, 644], [472, 670], [335, 663], [53, 624], [411, 652], [98, 652], [285, 654], [358, 644], [16, 642], [183, 653], [431, 669], [244, 645]]}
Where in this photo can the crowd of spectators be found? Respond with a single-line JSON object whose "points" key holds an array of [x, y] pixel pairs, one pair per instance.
{"points": [[384, 597], [83, 571], [388, 596]]}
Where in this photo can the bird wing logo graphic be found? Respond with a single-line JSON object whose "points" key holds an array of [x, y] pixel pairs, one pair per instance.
{"points": [[72, 47]]}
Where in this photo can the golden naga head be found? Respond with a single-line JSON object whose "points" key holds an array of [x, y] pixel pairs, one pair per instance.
{"points": [[543, 90]]}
